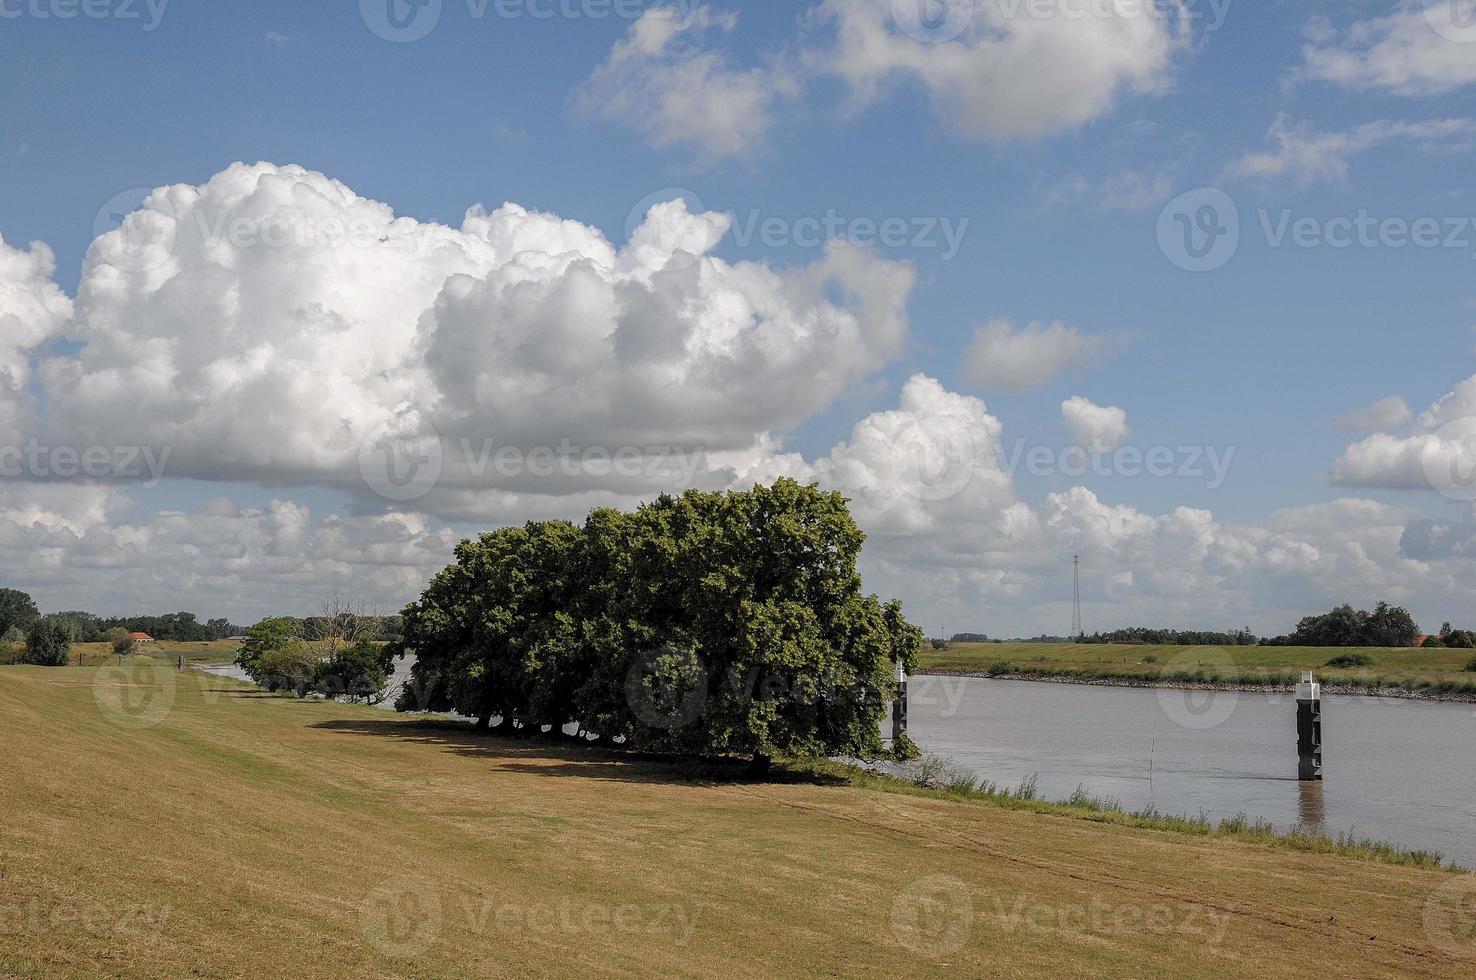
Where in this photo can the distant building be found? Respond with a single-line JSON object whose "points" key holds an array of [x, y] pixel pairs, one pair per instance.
{"points": [[140, 638]]}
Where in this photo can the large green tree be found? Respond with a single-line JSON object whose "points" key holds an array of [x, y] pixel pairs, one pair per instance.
{"points": [[17, 610], [705, 624]]}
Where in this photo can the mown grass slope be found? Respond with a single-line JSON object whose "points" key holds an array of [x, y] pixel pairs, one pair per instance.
{"points": [[164, 823]]}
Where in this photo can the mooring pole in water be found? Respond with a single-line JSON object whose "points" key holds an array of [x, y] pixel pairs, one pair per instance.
{"points": [[899, 705], [1309, 728]]}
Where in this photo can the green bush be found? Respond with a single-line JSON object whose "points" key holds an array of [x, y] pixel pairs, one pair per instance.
{"points": [[1000, 668], [291, 667], [1350, 660], [49, 645], [360, 673], [1471, 664]]}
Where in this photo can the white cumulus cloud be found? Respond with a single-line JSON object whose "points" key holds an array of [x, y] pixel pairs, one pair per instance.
{"points": [[1015, 358], [1386, 413], [1094, 426]]}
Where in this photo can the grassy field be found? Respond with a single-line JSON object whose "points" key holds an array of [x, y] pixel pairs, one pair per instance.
{"points": [[1399, 666], [163, 651], [165, 823]]}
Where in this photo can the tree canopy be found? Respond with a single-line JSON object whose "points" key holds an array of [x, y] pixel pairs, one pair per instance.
{"points": [[1386, 626], [704, 624], [17, 611]]}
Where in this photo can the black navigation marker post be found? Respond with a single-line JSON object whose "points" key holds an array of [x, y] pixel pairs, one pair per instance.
{"points": [[899, 704], [1309, 728]]}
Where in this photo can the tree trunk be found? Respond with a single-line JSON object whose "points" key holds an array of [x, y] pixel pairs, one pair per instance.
{"points": [[761, 766], [484, 724]]}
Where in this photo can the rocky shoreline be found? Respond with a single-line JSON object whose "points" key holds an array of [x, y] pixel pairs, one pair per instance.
{"points": [[1335, 688]]}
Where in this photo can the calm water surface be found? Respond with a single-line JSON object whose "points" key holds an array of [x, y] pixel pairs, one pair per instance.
{"points": [[1398, 770]]}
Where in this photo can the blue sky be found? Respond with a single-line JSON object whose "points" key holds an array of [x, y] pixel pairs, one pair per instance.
{"points": [[1261, 354]]}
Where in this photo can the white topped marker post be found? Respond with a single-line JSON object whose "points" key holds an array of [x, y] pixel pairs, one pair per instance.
{"points": [[899, 704], [1309, 728]]}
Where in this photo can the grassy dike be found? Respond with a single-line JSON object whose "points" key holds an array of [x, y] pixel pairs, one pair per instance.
{"points": [[1392, 671], [165, 823]]}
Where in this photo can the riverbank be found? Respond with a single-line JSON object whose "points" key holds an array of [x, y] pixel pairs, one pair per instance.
{"points": [[1411, 673], [1370, 688], [173, 823]]}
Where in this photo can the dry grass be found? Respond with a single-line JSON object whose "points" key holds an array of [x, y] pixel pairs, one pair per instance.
{"points": [[244, 835]]}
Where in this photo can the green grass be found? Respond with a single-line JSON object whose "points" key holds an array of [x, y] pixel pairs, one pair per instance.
{"points": [[1418, 669], [242, 835]]}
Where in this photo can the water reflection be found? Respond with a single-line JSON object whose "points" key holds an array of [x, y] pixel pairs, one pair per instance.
{"points": [[1311, 812]]}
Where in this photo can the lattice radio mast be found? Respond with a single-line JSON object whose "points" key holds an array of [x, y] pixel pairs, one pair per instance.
{"points": [[1076, 630]]}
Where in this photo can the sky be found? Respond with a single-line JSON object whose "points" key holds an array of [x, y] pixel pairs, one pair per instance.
{"points": [[295, 296]]}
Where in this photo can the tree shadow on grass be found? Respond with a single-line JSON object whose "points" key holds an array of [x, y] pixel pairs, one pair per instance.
{"points": [[544, 756]]}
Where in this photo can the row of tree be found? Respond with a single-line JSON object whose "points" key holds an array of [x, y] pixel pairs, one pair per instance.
{"points": [[19, 614], [705, 624]]}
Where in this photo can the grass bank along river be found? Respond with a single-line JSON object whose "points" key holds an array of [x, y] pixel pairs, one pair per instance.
{"points": [[1430, 674], [172, 823]]}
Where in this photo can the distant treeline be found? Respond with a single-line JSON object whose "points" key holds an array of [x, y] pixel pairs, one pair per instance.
{"points": [[184, 627], [1168, 637]]}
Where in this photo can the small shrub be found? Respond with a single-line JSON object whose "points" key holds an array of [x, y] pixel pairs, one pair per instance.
{"points": [[1350, 660], [1000, 668], [1471, 664], [122, 642], [1150, 659]]}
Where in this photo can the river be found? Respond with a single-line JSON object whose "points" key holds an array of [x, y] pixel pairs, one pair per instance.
{"points": [[1393, 769]]}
